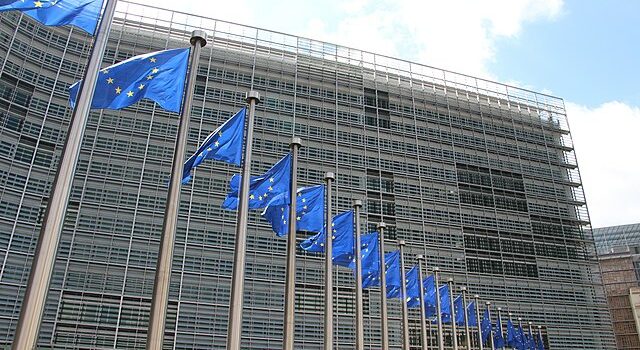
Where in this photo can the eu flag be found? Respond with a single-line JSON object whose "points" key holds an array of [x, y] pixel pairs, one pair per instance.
{"points": [[531, 341], [370, 260], [393, 274], [498, 338], [445, 303], [261, 188], [485, 326], [80, 13], [309, 210], [159, 76], [458, 305], [520, 345], [342, 237], [429, 284], [471, 314], [224, 144], [540, 345], [413, 287], [511, 334]]}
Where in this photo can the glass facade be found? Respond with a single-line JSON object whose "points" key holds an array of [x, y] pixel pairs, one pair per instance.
{"points": [[479, 177], [611, 239]]}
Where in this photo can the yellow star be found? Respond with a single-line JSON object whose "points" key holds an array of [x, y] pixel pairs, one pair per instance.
{"points": [[219, 133], [141, 87], [149, 77], [270, 188], [130, 93], [155, 70], [118, 90], [105, 71], [37, 3], [110, 81], [251, 197], [152, 59], [298, 218], [216, 143]]}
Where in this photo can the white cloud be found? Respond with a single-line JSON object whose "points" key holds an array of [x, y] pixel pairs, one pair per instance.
{"points": [[607, 145]]}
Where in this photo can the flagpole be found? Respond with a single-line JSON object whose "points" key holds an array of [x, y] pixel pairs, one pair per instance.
{"points": [[328, 265], [234, 330], [436, 272], [491, 341], [403, 298], [383, 290], [290, 283], [423, 315], [35, 296], [540, 339], [531, 333], [500, 322], [466, 318], [160, 297], [477, 301], [454, 326], [520, 328], [509, 314], [357, 204]]}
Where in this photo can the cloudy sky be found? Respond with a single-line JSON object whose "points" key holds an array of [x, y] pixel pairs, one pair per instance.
{"points": [[585, 51]]}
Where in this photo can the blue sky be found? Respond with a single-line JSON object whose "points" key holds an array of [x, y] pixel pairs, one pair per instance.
{"points": [[585, 51], [588, 55]]}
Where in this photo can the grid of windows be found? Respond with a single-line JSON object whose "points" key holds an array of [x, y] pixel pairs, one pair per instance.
{"points": [[477, 176]]}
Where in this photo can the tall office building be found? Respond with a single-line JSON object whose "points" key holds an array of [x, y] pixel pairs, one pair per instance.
{"points": [[479, 177]]}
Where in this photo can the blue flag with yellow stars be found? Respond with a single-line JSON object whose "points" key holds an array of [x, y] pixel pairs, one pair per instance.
{"points": [[224, 144], [511, 334], [540, 343], [498, 338], [309, 211], [261, 188], [485, 326], [83, 14], [413, 287], [457, 307], [445, 303], [471, 314], [429, 284], [370, 260], [342, 238], [393, 274], [159, 76]]}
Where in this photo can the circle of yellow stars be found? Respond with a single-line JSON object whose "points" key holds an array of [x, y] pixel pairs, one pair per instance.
{"points": [[118, 89]]}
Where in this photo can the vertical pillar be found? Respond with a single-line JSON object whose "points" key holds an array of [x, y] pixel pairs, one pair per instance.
{"points": [[403, 297], [328, 265], [384, 331], [454, 326], [467, 330], [436, 273], [357, 205], [423, 311]]}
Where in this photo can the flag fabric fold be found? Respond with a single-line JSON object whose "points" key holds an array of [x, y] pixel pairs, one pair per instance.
{"points": [[263, 187], [370, 260], [471, 314], [485, 326], [309, 211], [511, 334], [445, 303], [498, 338], [413, 287], [393, 274], [159, 76], [224, 144], [429, 284], [540, 343], [83, 14], [342, 238]]}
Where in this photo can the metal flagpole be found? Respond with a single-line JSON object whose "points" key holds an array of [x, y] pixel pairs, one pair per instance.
{"points": [[491, 341], [234, 330], [500, 323], [511, 322], [520, 327], [531, 331], [383, 291], [436, 272], [403, 298], [423, 313], [476, 298], [290, 283], [35, 296], [466, 318], [357, 205], [160, 297], [328, 265], [454, 326], [540, 335]]}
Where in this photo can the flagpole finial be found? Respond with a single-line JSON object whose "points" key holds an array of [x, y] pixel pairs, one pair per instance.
{"points": [[420, 257], [476, 296], [329, 176], [463, 288], [488, 303], [530, 323], [252, 95], [436, 269], [519, 318], [499, 309], [198, 36], [539, 327], [449, 280], [382, 225], [295, 141], [401, 242], [357, 202]]}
